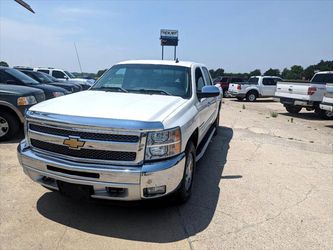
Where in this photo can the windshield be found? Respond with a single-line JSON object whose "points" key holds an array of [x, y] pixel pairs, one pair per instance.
{"points": [[42, 77], [253, 80], [323, 78], [69, 74], [21, 76], [147, 78]]}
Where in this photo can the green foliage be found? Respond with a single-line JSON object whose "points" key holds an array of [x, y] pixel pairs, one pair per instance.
{"points": [[273, 114], [295, 72], [255, 72], [272, 72], [100, 72], [4, 64]]}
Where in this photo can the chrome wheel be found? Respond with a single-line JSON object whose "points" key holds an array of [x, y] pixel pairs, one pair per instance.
{"points": [[252, 97], [4, 127], [189, 172]]}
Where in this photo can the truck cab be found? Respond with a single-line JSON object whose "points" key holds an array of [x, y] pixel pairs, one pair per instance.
{"points": [[136, 134]]}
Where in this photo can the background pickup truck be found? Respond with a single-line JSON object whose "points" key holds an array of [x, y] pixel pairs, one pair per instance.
{"points": [[296, 95], [136, 134], [14, 101], [327, 103], [256, 86]]}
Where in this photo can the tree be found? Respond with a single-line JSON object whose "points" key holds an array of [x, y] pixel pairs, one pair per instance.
{"points": [[285, 73], [255, 72], [308, 72], [4, 64], [272, 72], [100, 72]]}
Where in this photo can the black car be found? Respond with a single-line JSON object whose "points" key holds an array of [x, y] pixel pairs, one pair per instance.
{"points": [[16, 77], [42, 78], [14, 101], [53, 79]]}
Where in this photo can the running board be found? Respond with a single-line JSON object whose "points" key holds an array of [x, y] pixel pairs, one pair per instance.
{"points": [[203, 149]]}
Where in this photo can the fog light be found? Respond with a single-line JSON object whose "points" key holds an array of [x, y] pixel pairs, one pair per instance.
{"points": [[151, 191]]}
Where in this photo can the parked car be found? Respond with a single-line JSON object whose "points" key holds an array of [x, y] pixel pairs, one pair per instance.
{"points": [[16, 77], [55, 80], [136, 134], [256, 86], [63, 75], [43, 78], [14, 101], [224, 82], [327, 103], [297, 95]]}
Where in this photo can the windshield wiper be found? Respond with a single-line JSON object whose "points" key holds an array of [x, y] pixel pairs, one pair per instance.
{"points": [[118, 89], [158, 91]]}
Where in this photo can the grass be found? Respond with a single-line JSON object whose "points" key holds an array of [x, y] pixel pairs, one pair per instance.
{"points": [[274, 114], [243, 107]]}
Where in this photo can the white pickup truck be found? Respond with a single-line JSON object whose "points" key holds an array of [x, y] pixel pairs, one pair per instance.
{"points": [[297, 95], [136, 134], [256, 86], [327, 103]]}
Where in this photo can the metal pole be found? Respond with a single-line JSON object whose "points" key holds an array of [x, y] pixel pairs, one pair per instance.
{"points": [[174, 54], [78, 59], [162, 52]]}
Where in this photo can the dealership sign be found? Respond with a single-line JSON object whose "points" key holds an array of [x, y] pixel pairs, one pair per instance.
{"points": [[169, 37]]}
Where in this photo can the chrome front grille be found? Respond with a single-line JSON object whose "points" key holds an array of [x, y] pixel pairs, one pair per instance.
{"points": [[84, 153], [110, 146], [84, 135]]}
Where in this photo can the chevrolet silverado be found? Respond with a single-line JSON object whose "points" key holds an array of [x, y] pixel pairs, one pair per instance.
{"points": [[136, 134]]}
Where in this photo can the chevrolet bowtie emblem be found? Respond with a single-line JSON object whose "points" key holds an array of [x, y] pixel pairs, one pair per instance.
{"points": [[74, 143]]}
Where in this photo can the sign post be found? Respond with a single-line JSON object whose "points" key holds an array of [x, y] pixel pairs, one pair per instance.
{"points": [[169, 38]]}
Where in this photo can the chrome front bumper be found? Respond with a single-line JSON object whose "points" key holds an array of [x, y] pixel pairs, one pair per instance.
{"points": [[132, 179]]}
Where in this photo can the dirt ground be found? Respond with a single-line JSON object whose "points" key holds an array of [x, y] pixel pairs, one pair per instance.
{"points": [[264, 182]]}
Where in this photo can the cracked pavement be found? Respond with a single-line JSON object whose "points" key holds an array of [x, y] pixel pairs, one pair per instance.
{"points": [[264, 183]]}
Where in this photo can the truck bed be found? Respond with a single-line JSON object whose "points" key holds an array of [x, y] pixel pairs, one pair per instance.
{"points": [[300, 91]]}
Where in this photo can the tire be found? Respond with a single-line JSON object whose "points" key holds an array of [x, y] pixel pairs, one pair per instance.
{"points": [[293, 109], [185, 189], [9, 126], [251, 96], [217, 123], [225, 93], [324, 114], [240, 98]]}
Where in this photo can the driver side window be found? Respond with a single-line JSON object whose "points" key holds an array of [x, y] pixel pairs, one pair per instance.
{"points": [[199, 80]]}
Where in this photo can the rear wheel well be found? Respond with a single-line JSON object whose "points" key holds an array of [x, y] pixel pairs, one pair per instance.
{"points": [[253, 91], [194, 138], [10, 111]]}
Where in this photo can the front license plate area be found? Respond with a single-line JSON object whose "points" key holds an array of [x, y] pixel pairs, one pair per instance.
{"points": [[77, 191]]}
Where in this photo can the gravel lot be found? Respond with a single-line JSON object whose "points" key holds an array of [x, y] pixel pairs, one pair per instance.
{"points": [[264, 182]]}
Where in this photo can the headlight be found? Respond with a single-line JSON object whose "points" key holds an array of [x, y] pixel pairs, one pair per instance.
{"points": [[56, 94], [26, 100], [163, 144]]}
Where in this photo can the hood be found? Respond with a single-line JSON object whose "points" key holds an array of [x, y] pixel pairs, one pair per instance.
{"points": [[112, 105], [18, 90], [49, 88]]}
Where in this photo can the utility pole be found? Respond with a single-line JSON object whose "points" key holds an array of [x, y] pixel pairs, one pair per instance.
{"points": [[78, 59]]}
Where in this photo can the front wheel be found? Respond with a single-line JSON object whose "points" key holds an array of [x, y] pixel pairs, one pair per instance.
{"points": [[185, 189], [293, 109], [8, 126]]}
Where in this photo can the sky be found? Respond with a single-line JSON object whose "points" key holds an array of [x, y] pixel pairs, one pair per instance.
{"points": [[239, 36]]}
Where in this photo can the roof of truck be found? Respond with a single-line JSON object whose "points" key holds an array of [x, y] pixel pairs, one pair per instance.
{"points": [[161, 62]]}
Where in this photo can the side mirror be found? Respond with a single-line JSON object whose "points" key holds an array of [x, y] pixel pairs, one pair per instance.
{"points": [[12, 82], [66, 77], [208, 91]]}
